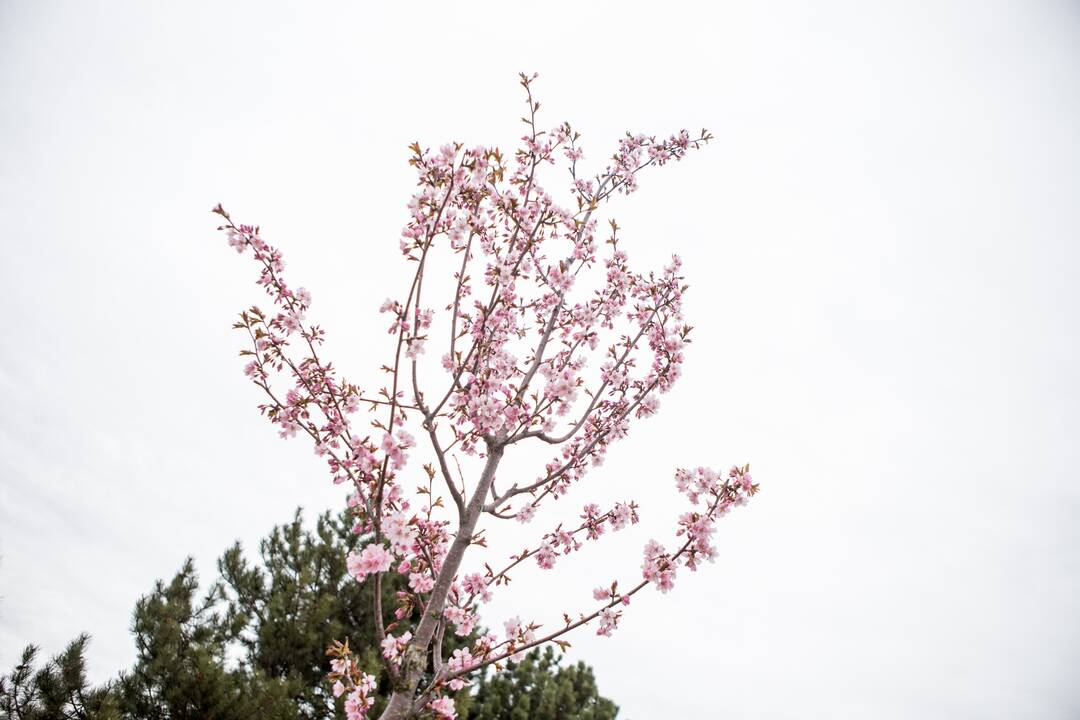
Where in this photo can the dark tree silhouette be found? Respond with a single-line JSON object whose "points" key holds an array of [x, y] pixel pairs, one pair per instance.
{"points": [[253, 645]]}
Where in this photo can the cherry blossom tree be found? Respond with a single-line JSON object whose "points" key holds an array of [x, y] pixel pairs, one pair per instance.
{"points": [[545, 337]]}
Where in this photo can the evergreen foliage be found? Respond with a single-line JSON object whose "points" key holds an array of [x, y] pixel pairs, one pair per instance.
{"points": [[538, 689], [253, 646]]}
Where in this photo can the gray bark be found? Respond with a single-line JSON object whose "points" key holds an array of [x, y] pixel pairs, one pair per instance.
{"points": [[400, 706]]}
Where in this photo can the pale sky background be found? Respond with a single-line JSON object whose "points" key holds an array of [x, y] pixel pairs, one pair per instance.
{"points": [[881, 247]]}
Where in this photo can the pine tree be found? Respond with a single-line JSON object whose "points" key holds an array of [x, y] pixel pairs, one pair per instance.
{"points": [[254, 645], [182, 671], [538, 689], [58, 690], [283, 613]]}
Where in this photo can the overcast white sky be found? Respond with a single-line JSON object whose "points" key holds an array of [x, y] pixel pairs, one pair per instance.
{"points": [[881, 246]]}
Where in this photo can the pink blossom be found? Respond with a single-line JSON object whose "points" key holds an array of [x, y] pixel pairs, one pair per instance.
{"points": [[290, 322], [237, 240], [609, 619], [512, 627], [461, 661], [658, 567], [545, 556], [443, 707], [475, 584], [421, 582], [621, 515], [462, 619], [414, 348], [372, 559], [393, 647], [526, 513], [361, 698], [398, 531]]}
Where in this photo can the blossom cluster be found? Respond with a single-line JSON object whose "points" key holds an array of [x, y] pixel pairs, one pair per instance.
{"points": [[717, 496], [348, 681]]}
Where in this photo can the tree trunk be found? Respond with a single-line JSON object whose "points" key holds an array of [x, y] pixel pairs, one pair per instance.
{"points": [[416, 655], [399, 707]]}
